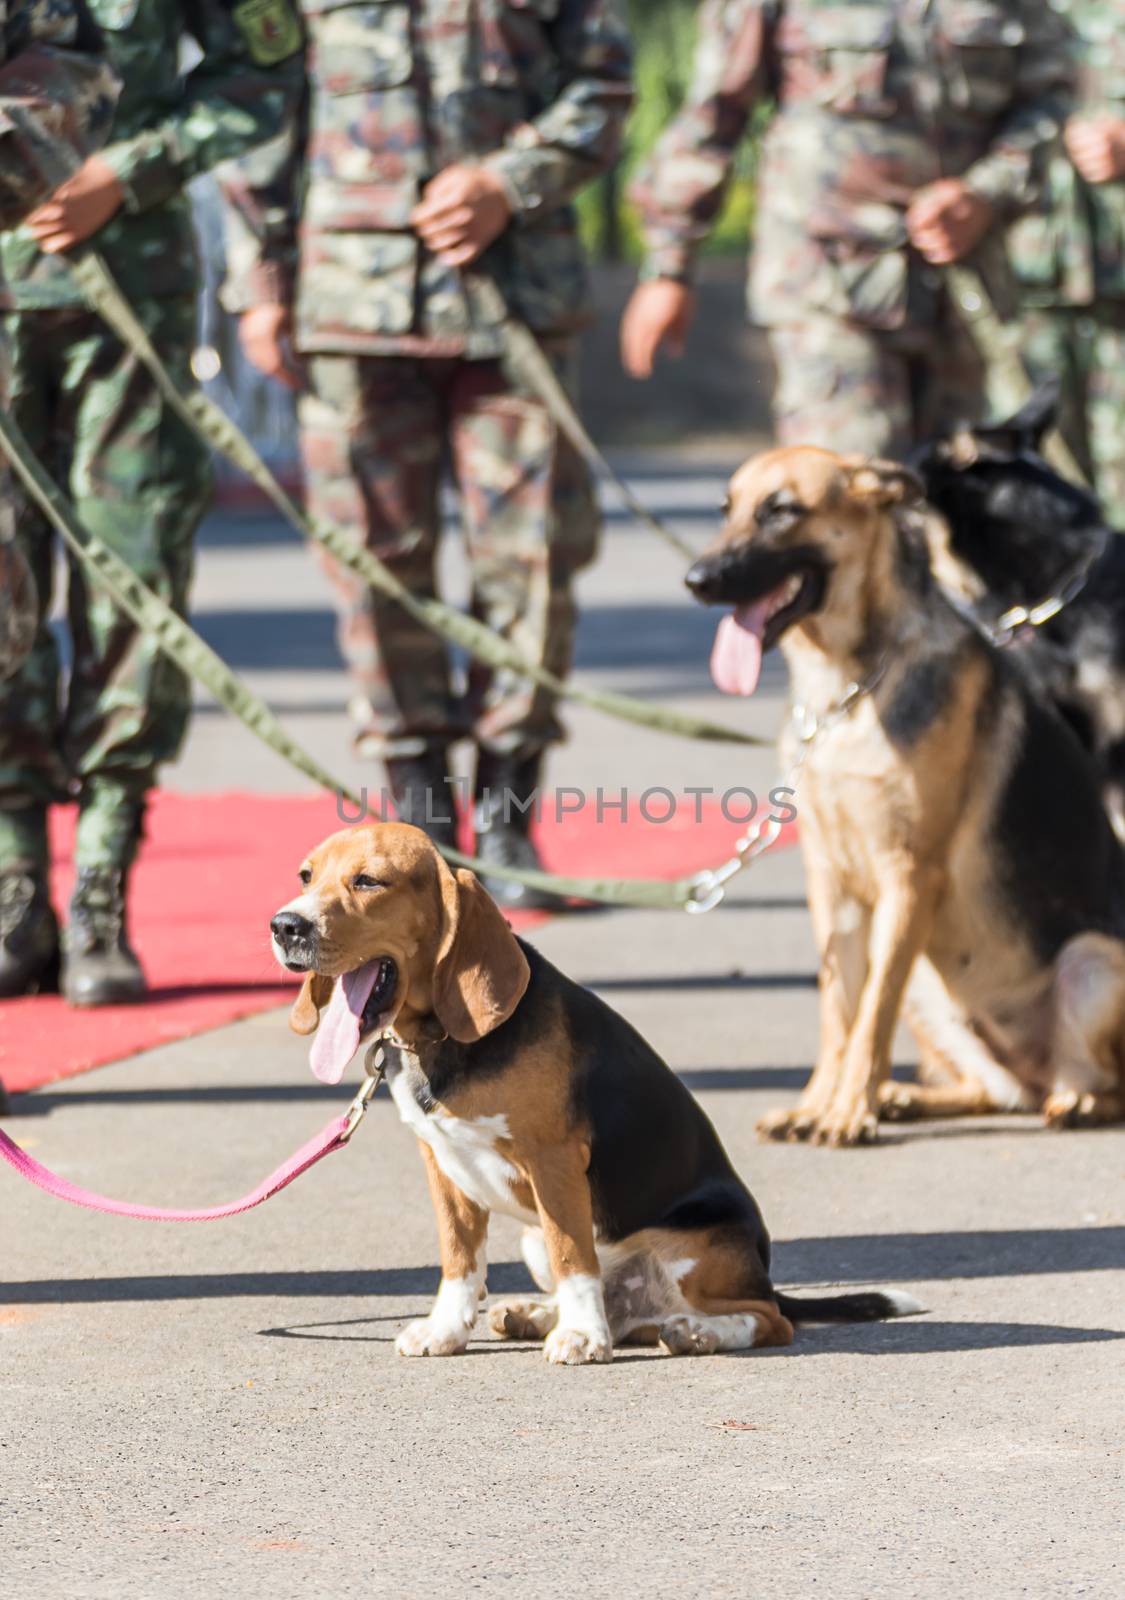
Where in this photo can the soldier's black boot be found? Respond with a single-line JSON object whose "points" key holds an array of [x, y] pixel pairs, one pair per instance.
{"points": [[502, 815], [29, 933], [99, 965], [422, 796]]}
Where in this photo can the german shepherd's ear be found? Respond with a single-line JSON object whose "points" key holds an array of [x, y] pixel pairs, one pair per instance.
{"points": [[869, 481], [314, 996], [481, 972], [1024, 432]]}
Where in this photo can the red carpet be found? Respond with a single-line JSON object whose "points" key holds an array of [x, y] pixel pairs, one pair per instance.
{"points": [[211, 873]]}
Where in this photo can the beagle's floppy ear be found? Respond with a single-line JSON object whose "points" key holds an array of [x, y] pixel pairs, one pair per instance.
{"points": [[481, 973], [314, 996], [879, 484]]}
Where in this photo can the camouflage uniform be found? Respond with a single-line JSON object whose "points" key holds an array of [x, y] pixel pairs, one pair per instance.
{"points": [[50, 73], [1069, 256], [137, 476], [403, 372], [53, 86], [874, 101]]}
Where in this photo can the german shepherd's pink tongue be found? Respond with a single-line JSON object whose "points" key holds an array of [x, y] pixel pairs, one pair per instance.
{"points": [[736, 660], [337, 1038]]}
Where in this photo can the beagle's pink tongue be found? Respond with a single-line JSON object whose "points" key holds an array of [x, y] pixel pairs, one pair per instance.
{"points": [[337, 1038], [736, 660]]}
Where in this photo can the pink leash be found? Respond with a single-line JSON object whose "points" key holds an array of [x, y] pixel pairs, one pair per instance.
{"points": [[334, 1137]]}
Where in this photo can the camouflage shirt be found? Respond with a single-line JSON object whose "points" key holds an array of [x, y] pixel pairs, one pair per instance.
{"points": [[873, 101], [53, 84], [169, 127], [1070, 250], [536, 89]]}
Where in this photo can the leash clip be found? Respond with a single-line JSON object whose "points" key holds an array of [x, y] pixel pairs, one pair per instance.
{"points": [[358, 1108], [708, 888]]}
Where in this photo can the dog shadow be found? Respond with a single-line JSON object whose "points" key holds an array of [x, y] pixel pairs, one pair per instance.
{"points": [[808, 1263], [480, 1346], [907, 1336], [868, 1258], [894, 1258]]}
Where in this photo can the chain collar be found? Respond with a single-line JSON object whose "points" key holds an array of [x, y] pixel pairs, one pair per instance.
{"points": [[811, 726], [1011, 623], [709, 887]]}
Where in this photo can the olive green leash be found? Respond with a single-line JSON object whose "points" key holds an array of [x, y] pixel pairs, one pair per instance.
{"points": [[217, 430], [178, 640], [525, 362], [156, 619]]}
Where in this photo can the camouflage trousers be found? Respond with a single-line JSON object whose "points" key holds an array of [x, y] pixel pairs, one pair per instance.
{"points": [[140, 480], [378, 432], [851, 388], [1084, 348]]}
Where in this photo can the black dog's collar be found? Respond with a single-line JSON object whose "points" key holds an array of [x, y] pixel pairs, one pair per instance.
{"points": [[1013, 621], [1018, 620]]}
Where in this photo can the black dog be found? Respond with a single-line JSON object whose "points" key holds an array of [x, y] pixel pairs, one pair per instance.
{"points": [[1021, 535]]}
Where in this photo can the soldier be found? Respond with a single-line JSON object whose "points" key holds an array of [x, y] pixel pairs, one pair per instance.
{"points": [[439, 138], [53, 84], [1069, 257], [905, 132], [137, 476], [53, 87]]}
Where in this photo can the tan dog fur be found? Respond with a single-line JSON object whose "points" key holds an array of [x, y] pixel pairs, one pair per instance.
{"points": [[898, 842]]}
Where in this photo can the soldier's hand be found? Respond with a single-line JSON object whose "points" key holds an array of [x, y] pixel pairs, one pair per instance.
{"points": [[1096, 145], [265, 336], [659, 313], [78, 207], [460, 213], [945, 220]]}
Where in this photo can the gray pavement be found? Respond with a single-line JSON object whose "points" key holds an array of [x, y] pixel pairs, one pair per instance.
{"points": [[219, 1411]]}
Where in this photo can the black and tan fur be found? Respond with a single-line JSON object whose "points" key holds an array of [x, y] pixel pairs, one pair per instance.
{"points": [[1012, 531], [951, 826], [531, 1096]]}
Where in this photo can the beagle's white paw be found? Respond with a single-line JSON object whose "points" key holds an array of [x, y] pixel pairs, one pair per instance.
{"points": [[576, 1347], [430, 1337], [582, 1334], [449, 1326]]}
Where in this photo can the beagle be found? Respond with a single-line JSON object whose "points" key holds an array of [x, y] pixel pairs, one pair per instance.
{"points": [[530, 1097]]}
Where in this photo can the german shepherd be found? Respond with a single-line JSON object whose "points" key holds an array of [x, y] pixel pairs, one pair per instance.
{"points": [[951, 822], [1017, 533]]}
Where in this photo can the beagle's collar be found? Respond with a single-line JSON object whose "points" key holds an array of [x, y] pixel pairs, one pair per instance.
{"points": [[391, 1038], [375, 1071], [375, 1066]]}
